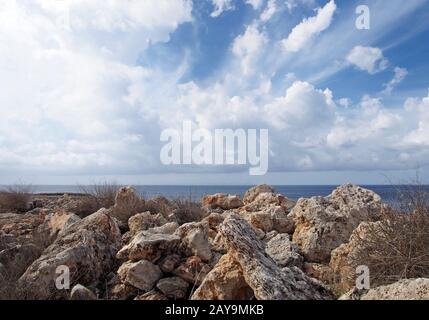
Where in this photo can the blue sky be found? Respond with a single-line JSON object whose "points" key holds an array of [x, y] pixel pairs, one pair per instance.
{"points": [[87, 86]]}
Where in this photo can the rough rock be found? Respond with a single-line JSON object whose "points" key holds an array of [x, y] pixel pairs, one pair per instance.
{"points": [[323, 224], [15, 260], [252, 193], [169, 263], [87, 248], [260, 220], [153, 295], [222, 201], [173, 287], [122, 291], [142, 275], [149, 246], [224, 282], [193, 270], [60, 220], [417, 289], [127, 204], [145, 221], [267, 280], [80, 292], [267, 199], [195, 236], [284, 252]]}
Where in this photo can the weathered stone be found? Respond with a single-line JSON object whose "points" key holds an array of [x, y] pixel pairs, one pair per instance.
{"points": [[284, 252], [222, 201], [127, 204], [323, 224], [281, 222], [193, 270], [173, 287], [153, 295], [260, 220], [169, 263], [168, 228], [149, 246], [266, 200], [80, 292], [145, 221], [122, 291], [60, 220], [252, 193], [408, 289], [87, 248], [268, 281], [195, 236], [142, 275], [15, 260], [224, 282]]}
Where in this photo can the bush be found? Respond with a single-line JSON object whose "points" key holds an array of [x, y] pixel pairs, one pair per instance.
{"points": [[185, 210], [397, 247], [15, 198], [97, 196]]}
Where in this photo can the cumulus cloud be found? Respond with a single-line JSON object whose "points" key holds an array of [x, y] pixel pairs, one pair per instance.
{"points": [[221, 6], [368, 59], [304, 32]]}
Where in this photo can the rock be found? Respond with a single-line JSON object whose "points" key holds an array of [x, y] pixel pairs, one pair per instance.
{"points": [[195, 236], [323, 224], [409, 289], [252, 193], [321, 272], [224, 282], [153, 295], [266, 200], [173, 287], [267, 280], [122, 291], [169, 263], [284, 252], [145, 221], [79, 292], [87, 248], [148, 246], [168, 228], [281, 222], [15, 260], [260, 220], [222, 201], [142, 275], [193, 270], [60, 220], [127, 204]]}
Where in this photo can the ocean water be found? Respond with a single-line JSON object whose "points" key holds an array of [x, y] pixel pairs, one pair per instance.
{"points": [[388, 193]]}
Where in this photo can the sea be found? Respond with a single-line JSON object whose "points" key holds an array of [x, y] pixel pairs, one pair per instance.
{"points": [[388, 193]]}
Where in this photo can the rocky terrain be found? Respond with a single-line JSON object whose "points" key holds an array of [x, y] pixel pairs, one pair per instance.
{"points": [[263, 247]]}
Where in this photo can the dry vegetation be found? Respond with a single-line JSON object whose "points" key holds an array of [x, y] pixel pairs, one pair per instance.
{"points": [[15, 198], [97, 196], [398, 246]]}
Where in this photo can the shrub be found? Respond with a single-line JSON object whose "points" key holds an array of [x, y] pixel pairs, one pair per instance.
{"points": [[15, 198], [97, 196], [185, 210], [397, 247]]}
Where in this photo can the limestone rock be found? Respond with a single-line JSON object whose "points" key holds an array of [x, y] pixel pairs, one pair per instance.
{"points": [[224, 282], [127, 204], [122, 291], [145, 221], [252, 193], [87, 248], [193, 270], [284, 252], [173, 287], [268, 281], [409, 289], [153, 295], [169, 263], [222, 201], [80, 292], [323, 224], [195, 236], [149, 246], [142, 275], [267, 199], [15, 260]]}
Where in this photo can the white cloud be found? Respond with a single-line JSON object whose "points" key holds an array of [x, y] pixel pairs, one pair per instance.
{"points": [[304, 32], [221, 6], [256, 4], [367, 59], [400, 74], [269, 11]]}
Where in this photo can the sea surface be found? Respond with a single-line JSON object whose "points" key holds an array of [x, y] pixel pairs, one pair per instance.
{"points": [[389, 193]]}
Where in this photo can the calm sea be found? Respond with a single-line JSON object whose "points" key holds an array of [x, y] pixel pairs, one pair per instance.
{"points": [[388, 193]]}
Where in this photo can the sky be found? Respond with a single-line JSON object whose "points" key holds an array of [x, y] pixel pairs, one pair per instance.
{"points": [[87, 87]]}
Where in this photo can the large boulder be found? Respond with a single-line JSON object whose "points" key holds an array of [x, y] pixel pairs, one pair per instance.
{"points": [[82, 293], [142, 275], [87, 248], [284, 252], [224, 282], [408, 289], [323, 224], [127, 204], [149, 246], [252, 193], [222, 201], [195, 236], [266, 200], [267, 280], [15, 260], [145, 221]]}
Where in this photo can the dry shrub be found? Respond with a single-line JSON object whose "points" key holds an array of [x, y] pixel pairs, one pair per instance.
{"points": [[185, 210], [97, 196], [159, 205], [16, 198], [397, 247]]}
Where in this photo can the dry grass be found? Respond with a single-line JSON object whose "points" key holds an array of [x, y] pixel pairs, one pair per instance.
{"points": [[15, 198], [97, 196], [398, 246], [185, 210]]}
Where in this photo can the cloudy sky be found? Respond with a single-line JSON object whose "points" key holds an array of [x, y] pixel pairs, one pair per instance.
{"points": [[87, 86]]}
